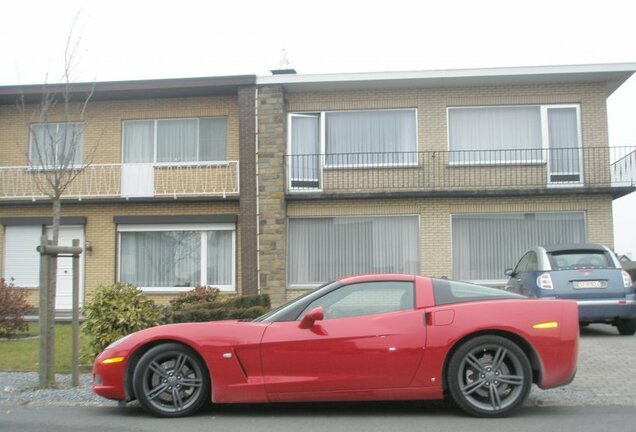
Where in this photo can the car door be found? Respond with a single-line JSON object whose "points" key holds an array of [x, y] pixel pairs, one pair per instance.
{"points": [[515, 283], [371, 337]]}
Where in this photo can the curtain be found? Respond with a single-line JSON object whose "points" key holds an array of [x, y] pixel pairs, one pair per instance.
{"points": [[139, 137], [495, 134], [305, 147], [485, 245], [324, 249], [564, 141], [56, 144], [219, 257], [177, 140], [371, 137], [213, 139], [161, 259]]}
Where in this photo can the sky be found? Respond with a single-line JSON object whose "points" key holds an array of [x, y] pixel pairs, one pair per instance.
{"points": [[138, 39]]}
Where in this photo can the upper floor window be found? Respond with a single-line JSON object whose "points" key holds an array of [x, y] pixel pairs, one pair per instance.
{"points": [[516, 134], [175, 140], [56, 145], [356, 138]]}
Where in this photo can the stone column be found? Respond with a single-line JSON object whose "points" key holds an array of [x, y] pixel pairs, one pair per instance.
{"points": [[271, 187]]}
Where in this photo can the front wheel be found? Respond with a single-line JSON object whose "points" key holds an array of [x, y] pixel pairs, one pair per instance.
{"points": [[489, 376], [171, 381], [626, 327]]}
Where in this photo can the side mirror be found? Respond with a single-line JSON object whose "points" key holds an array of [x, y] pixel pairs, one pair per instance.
{"points": [[508, 272], [316, 314]]}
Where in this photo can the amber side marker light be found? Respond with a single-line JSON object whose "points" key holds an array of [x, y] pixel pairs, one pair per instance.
{"points": [[546, 325], [113, 360]]}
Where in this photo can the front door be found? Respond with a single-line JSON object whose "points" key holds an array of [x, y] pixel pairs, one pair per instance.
{"points": [[64, 291], [371, 337]]}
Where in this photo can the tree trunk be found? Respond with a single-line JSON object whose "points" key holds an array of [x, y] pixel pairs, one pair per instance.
{"points": [[50, 301]]}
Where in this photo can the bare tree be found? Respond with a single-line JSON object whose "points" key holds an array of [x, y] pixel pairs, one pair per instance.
{"points": [[55, 154]]}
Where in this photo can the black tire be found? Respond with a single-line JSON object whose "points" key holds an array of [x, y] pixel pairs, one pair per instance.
{"points": [[489, 376], [170, 380], [626, 327]]}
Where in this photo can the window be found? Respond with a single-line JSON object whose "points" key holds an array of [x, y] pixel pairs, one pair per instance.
{"points": [[178, 257], [175, 140], [21, 260], [355, 138], [450, 292], [365, 299], [517, 134], [577, 259], [324, 249], [486, 244], [56, 145]]}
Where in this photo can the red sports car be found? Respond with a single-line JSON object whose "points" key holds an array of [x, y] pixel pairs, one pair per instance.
{"points": [[372, 337]]}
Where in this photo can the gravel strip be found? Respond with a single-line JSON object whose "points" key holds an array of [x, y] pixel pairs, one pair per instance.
{"points": [[21, 388]]}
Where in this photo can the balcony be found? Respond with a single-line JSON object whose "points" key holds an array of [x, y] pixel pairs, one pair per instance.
{"points": [[128, 181], [495, 172]]}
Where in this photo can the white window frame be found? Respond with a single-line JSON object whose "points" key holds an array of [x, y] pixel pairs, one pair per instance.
{"points": [[46, 167], [303, 286], [203, 229], [544, 136], [323, 139], [502, 282], [171, 164]]}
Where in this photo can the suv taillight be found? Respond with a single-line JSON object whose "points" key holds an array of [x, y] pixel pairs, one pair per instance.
{"points": [[545, 282], [627, 279]]}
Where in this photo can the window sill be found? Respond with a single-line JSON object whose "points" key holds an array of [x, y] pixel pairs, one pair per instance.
{"points": [[179, 290], [191, 164]]}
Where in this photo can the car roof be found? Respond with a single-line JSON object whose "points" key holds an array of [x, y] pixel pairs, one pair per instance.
{"points": [[376, 277], [574, 246]]}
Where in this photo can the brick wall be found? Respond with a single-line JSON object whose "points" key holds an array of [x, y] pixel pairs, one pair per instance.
{"points": [[435, 218], [100, 231], [103, 121]]}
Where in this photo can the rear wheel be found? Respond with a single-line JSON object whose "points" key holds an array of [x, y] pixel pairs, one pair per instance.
{"points": [[489, 376], [626, 327], [171, 381]]}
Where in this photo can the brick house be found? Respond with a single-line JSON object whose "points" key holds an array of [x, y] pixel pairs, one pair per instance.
{"points": [[446, 173]]}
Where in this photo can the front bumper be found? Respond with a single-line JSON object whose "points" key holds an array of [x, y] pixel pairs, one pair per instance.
{"points": [[603, 310], [109, 379]]}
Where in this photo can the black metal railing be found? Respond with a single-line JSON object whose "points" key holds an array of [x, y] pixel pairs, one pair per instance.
{"points": [[468, 170]]}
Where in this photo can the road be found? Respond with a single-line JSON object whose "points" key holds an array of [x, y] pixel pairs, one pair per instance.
{"points": [[308, 418], [602, 397]]}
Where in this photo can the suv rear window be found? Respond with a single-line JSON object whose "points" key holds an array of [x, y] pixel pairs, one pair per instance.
{"points": [[449, 292], [574, 259]]}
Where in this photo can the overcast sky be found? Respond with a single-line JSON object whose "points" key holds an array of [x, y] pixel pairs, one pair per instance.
{"points": [[124, 40]]}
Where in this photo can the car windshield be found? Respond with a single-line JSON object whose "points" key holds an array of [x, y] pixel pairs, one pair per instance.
{"points": [[575, 259], [275, 311]]}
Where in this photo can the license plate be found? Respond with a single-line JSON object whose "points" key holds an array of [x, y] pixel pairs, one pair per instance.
{"points": [[589, 284]]}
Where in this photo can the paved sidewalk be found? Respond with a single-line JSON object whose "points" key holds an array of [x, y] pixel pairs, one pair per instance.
{"points": [[606, 376], [606, 373]]}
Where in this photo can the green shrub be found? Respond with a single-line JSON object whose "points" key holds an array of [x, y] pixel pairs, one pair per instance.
{"points": [[13, 307], [115, 311], [217, 314], [209, 304]]}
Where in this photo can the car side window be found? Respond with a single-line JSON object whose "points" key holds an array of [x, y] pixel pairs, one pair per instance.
{"points": [[521, 266], [365, 299], [532, 265]]}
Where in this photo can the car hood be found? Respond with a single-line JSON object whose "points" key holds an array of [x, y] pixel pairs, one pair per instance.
{"points": [[201, 336]]}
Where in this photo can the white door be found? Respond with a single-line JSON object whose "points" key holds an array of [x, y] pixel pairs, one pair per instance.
{"points": [[304, 148], [64, 292], [137, 180]]}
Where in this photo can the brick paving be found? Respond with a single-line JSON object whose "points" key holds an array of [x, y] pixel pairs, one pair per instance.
{"points": [[606, 373]]}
